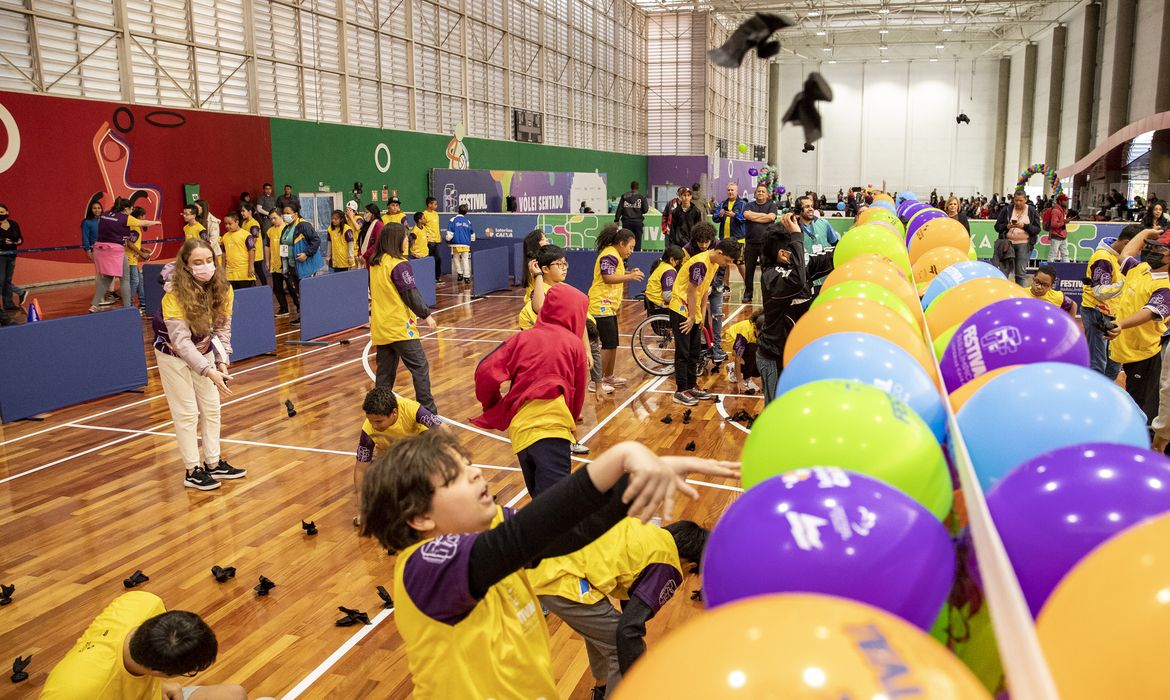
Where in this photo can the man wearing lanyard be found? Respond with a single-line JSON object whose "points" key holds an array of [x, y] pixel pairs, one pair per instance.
{"points": [[730, 223], [818, 234]]}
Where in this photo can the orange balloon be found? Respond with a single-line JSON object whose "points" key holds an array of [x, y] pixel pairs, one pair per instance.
{"points": [[798, 647], [937, 233], [961, 395], [875, 268], [882, 197], [934, 261], [956, 305], [852, 314], [1106, 627]]}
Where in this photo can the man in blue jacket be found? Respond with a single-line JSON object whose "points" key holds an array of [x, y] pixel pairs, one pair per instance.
{"points": [[730, 223]]}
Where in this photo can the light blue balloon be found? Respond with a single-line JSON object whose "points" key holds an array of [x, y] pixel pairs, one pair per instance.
{"points": [[887, 205], [869, 359], [1042, 407], [905, 197], [957, 274]]}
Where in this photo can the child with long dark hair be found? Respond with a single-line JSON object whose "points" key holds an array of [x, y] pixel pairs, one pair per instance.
{"points": [[395, 309], [614, 246]]}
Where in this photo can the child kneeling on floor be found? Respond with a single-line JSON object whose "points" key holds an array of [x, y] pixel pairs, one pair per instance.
{"points": [[469, 618], [389, 418]]}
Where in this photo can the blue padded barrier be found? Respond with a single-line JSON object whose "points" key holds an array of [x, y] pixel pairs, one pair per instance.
{"points": [[41, 370], [334, 302], [489, 270], [154, 289], [253, 325], [424, 279]]}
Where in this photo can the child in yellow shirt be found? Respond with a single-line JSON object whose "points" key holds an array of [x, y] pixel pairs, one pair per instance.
{"points": [[389, 418], [739, 340], [340, 243]]}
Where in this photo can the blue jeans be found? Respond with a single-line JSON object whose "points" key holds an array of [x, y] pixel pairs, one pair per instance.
{"points": [[1023, 253], [135, 285], [7, 288], [769, 376], [1094, 322]]}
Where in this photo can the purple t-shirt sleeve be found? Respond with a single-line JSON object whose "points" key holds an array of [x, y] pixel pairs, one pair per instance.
{"points": [[436, 578], [1067, 304], [250, 242], [609, 265], [424, 417], [698, 272], [656, 584], [668, 278], [403, 278], [740, 344], [1101, 272], [365, 448], [1159, 303]]}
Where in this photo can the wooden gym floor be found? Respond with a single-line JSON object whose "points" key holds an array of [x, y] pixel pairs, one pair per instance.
{"points": [[94, 492]]}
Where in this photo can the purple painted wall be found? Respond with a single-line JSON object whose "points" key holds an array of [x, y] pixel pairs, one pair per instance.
{"points": [[677, 170], [730, 170]]}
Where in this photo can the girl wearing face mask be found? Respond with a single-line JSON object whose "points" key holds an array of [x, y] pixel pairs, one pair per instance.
{"points": [[300, 251], [272, 235], [192, 344]]}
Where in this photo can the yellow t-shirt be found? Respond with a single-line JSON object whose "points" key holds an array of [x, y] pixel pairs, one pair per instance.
{"points": [[1053, 297], [497, 647], [418, 245], [611, 564], [655, 283], [252, 226], [1099, 262], [430, 224], [194, 230], [273, 236], [529, 289], [539, 419], [738, 337], [1143, 289], [378, 441], [237, 259], [391, 320], [131, 256], [606, 299], [698, 272], [94, 668], [341, 250]]}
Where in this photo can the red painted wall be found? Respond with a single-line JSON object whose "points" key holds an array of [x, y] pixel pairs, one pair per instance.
{"points": [[67, 150]]}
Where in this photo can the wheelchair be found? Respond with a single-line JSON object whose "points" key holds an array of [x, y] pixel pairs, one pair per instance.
{"points": [[652, 343]]}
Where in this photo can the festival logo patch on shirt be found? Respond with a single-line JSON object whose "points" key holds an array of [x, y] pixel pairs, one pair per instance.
{"points": [[440, 549]]}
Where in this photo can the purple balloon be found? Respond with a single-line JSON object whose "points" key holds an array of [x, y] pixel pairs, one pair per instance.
{"points": [[1055, 508], [780, 189], [825, 530], [909, 209], [753, 172], [1012, 332], [920, 218]]}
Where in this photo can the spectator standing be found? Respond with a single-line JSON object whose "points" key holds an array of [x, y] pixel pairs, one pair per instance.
{"points": [[300, 252], [684, 216], [286, 199], [89, 236], [1020, 225], [211, 224], [266, 203], [10, 240], [1055, 219], [430, 226], [954, 210], [1155, 216], [631, 213], [760, 214]]}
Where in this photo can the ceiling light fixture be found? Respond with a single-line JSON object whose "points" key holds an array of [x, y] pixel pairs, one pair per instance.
{"points": [[883, 47], [814, 13], [883, 31], [934, 60], [827, 49], [948, 29], [939, 46], [820, 32], [885, 60], [884, 11], [832, 62]]}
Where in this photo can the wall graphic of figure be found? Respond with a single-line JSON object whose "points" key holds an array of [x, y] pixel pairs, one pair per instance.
{"points": [[457, 155]]}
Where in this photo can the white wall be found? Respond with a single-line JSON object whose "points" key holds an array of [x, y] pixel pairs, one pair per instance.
{"points": [[1043, 90], [1072, 90], [1011, 149], [1146, 48], [1105, 70], [895, 122]]}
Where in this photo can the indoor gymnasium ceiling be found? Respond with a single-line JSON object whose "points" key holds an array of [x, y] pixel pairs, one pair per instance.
{"points": [[854, 30]]}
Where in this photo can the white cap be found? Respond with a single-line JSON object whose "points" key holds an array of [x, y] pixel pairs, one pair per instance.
{"points": [[351, 205]]}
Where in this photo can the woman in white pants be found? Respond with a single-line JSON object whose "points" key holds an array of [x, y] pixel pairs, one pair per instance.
{"points": [[192, 343]]}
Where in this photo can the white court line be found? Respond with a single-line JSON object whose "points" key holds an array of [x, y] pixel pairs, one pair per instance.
{"points": [[726, 417], [650, 384], [721, 487], [341, 651], [516, 499], [139, 402]]}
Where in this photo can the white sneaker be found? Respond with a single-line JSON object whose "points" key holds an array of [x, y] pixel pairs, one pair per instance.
{"points": [[603, 388], [749, 387], [614, 381], [731, 373]]}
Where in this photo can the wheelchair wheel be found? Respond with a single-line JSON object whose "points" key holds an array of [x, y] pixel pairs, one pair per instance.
{"points": [[653, 346]]}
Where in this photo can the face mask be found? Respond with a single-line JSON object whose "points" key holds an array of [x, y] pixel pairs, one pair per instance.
{"points": [[203, 272], [288, 218], [3, 217]]}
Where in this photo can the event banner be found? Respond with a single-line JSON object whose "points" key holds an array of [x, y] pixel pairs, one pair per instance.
{"points": [[535, 191], [565, 230]]}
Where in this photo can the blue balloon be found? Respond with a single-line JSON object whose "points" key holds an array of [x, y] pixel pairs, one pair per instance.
{"points": [[957, 274], [1042, 407], [869, 359], [905, 197], [887, 205], [840, 206]]}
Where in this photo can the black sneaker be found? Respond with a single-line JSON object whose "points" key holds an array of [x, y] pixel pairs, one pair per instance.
{"points": [[198, 478], [684, 397], [598, 693], [223, 470], [700, 395]]}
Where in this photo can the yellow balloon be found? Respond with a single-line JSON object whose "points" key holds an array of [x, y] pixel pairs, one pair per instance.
{"points": [[934, 261], [798, 647], [1106, 627], [937, 233], [875, 268], [956, 305]]}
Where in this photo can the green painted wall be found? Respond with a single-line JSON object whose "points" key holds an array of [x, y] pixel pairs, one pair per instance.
{"points": [[307, 153]]}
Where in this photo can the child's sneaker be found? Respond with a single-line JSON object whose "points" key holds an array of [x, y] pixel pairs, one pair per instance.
{"points": [[700, 394], [614, 381], [684, 397], [749, 387], [223, 470], [198, 478], [578, 449], [731, 374]]}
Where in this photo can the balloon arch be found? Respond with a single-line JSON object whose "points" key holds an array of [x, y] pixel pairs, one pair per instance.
{"points": [[1047, 171]]}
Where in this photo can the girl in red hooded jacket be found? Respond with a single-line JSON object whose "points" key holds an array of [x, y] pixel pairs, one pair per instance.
{"points": [[548, 370]]}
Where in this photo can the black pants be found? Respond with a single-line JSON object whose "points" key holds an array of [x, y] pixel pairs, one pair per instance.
{"points": [[340, 269], [688, 348], [412, 355], [750, 369], [544, 463], [261, 273], [242, 284], [1142, 383], [433, 249], [753, 254], [636, 228], [280, 289]]}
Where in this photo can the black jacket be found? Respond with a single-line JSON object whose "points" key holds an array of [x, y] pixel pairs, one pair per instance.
{"points": [[631, 207], [1003, 222], [787, 295], [681, 222]]}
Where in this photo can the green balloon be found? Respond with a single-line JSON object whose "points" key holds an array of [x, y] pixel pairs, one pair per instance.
{"points": [[867, 290], [941, 342], [853, 426], [972, 253], [878, 240], [883, 215]]}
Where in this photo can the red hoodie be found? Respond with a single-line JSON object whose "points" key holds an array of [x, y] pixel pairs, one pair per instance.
{"points": [[542, 362]]}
